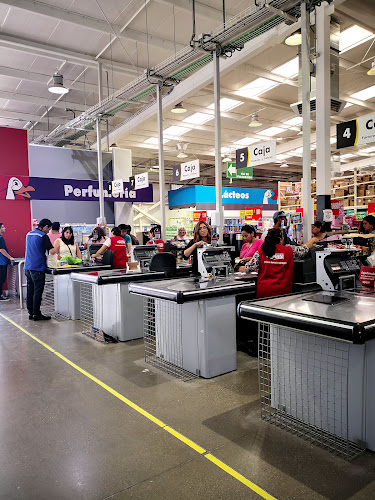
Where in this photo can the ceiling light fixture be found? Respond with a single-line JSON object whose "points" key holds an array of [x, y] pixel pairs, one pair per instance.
{"points": [[294, 39], [179, 109], [182, 155], [255, 121], [181, 148], [371, 72], [284, 165], [57, 87], [113, 145]]}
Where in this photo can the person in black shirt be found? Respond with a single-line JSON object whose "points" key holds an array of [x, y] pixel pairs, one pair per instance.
{"points": [[202, 235], [5, 258]]}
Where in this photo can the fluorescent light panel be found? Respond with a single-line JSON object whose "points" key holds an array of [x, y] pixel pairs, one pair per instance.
{"points": [[154, 140], [346, 156], [176, 130], [198, 118], [368, 150], [293, 122], [282, 157], [352, 37], [364, 94], [271, 131], [226, 104], [256, 87], [245, 142], [332, 140], [289, 69]]}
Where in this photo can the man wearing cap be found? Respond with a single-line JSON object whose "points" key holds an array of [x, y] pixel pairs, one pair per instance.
{"points": [[37, 244], [279, 218]]}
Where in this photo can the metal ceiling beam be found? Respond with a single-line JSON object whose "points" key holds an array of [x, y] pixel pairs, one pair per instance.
{"points": [[253, 70], [200, 8], [43, 79], [26, 117], [40, 101], [53, 52], [92, 23], [203, 77], [366, 162]]}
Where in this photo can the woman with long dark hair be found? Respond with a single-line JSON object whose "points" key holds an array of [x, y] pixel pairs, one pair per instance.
{"points": [[367, 225], [118, 246], [98, 235], [65, 246], [274, 263], [202, 235]]}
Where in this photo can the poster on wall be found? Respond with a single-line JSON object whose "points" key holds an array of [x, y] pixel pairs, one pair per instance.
{"points": [[200, 216], [253, 213]]}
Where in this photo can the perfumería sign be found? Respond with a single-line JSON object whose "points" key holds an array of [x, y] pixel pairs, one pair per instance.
{"points": [[42, 188], [356, 132]]}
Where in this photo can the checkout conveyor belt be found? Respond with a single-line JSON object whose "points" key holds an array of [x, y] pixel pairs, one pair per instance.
{"points": [[192, 289], [342, 315]]}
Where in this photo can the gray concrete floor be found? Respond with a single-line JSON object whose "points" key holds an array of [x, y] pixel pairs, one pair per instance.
{"points": [[64, 436]]}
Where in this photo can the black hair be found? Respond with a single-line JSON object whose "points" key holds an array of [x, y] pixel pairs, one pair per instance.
{"points": [[370, 219], [319, 225], [116, 231], [70, 241], [44, 222], [128, 228], [272, 239], [122, 227], [155, 229], [55, 226], [99, 231], [249, 229], [1, 224]]}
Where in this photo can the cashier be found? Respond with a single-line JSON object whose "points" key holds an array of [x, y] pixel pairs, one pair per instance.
{"points": [[118, 246], [368, 225], [202, 235], [274, 263]]}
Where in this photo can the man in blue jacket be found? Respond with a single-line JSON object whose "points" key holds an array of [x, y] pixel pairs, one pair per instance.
{"points": [[5, 258], [37, 244]]}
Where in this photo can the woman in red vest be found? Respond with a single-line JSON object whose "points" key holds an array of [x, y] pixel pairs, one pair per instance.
{"points": [[274, 263], [118, 246]]}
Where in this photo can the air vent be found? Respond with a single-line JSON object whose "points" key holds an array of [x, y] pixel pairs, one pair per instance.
{"points": [[336, 107]]}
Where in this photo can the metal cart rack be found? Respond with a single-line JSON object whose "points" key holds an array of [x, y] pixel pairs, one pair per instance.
{"points": [[189, 325], [316, 357]]}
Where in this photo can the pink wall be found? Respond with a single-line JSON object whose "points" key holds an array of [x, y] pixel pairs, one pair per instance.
{"points": [[15, 215]]}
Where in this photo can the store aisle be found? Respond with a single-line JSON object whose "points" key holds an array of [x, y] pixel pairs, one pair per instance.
{"points": [[63, 435]]}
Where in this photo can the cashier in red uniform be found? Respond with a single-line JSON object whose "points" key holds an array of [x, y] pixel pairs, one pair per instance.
{"points": [[274, 263], [118, 246]]}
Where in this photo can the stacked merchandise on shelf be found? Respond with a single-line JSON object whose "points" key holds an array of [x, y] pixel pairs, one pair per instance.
{"points": [[233, 225], [290, 196]]}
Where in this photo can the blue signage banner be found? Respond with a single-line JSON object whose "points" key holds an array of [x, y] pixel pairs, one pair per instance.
{"points": [[194, 195], [39, 188]]}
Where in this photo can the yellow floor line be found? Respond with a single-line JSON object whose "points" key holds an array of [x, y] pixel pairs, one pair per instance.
{"points": [[236, 475]]}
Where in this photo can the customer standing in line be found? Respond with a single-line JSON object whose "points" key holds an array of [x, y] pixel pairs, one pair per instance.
{"points": [[5, 258], [202, 235], [66, 246], [37, 244], [132, 237], [124, 235], [54, 234]]}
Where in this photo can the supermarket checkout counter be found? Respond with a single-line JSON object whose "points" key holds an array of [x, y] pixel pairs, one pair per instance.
{"points": [[190, 323], [317, 365], [144, 253], [66, 293]]}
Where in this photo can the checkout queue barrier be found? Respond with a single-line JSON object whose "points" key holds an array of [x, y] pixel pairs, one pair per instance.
{"points": [[189, 325], [317, 366]]}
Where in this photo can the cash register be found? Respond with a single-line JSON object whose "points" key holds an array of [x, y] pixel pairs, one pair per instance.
{"points": [[337, 269], [143, 255], [214, 261]]}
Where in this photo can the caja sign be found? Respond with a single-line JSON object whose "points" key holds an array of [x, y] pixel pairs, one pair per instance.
{"points": [[188, 170], [356, 132], [256, 154]]}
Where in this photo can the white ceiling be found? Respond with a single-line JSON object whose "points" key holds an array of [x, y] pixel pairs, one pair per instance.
{"points": [[72, 35]]}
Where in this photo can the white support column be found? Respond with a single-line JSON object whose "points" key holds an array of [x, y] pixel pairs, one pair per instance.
{"points": [[306, 138], [323, 106], [161, 160], [100, 171], [100, 81], [218, 163]]}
